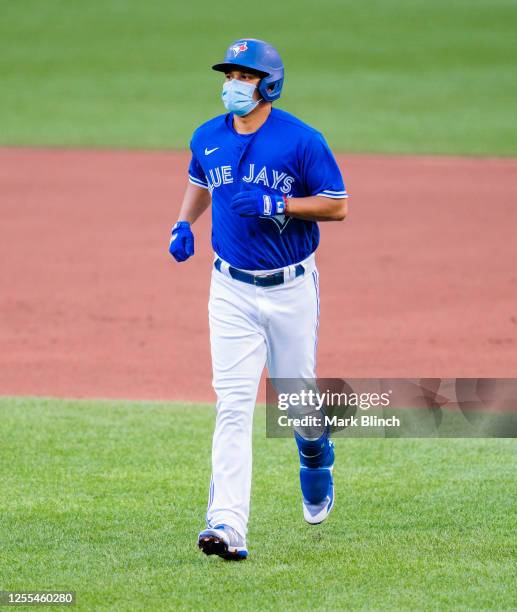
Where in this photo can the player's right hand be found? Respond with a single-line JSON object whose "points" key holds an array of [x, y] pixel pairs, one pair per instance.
{"points": [[251, 203], [181, 246]]}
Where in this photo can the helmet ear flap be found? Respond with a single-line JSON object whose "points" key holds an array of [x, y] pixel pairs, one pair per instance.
{"points": [[270, 88]]}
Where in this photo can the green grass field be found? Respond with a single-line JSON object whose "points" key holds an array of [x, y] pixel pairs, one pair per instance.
{"points": [[106, 498], [408, 76]]}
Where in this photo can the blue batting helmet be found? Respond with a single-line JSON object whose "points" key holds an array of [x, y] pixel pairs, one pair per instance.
{"points": [[260, 57]]}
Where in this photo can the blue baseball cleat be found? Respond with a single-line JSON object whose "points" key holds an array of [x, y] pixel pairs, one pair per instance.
{"points": [[223, 541], [317, 483]]}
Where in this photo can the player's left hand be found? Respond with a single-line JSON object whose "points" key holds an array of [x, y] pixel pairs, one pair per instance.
{"points": [[181, 245], [258, 204]]}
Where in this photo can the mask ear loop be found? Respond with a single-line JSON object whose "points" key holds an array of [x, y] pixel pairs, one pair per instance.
{"points": [[261, 99]]}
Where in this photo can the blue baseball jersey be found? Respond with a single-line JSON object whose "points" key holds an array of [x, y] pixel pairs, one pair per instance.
{"points": [[284, 157]]}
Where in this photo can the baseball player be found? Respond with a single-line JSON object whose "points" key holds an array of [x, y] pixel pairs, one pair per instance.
{"points": [[269, 178]]}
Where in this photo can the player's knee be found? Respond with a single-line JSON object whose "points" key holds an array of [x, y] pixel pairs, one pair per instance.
{"points": [[239, 395]]}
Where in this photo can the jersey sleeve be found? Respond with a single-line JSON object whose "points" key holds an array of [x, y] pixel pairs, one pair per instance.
{"points": [[322, 176], [196, 175]]}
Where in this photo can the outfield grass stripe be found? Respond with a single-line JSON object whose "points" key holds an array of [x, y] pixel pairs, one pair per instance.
{"points": [[390, 76]]}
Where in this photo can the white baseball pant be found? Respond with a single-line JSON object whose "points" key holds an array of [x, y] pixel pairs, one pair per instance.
{"points": [[250, 327]]}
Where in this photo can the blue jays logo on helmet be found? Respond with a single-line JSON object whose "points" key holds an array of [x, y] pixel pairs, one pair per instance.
{"points": [[238, 48], [260, 57]]}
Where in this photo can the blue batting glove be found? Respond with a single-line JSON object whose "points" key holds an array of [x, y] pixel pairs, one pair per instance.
{"points": [[256, 203], [181, 246]]}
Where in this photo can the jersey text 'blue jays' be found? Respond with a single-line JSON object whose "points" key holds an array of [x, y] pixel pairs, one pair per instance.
{"points": [[284, 156]]}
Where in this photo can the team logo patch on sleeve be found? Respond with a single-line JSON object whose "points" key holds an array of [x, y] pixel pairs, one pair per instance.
{"points": [[239, 48]]}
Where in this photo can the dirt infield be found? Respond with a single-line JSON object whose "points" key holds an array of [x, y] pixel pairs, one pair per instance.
{"points": [[421, 280]]}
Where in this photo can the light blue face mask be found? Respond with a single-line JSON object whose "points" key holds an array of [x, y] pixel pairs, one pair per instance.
{"points": [[237, 97]]}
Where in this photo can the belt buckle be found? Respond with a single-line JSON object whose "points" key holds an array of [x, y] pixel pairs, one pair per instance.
{"points": [[262, 277], [258, 277]]}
